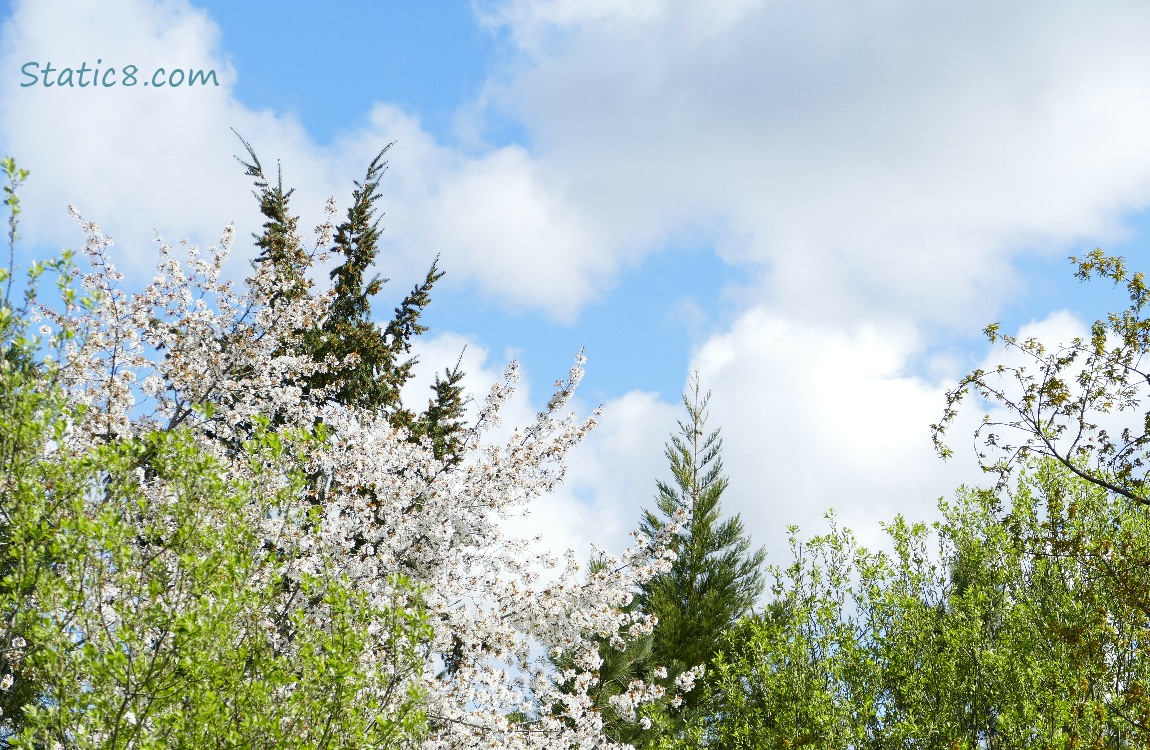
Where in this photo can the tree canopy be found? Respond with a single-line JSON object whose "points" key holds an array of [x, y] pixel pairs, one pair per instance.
{"points": [[221, 526], [214, 537]]}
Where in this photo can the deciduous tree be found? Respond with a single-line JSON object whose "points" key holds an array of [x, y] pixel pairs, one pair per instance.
{"points": [[189, 357], [997, 639]]}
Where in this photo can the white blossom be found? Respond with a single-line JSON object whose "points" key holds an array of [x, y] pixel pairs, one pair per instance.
{"points": [[390, 506]]}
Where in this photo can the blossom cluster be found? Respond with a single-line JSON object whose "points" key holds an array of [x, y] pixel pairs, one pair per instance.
{"points": [[193, 352]]}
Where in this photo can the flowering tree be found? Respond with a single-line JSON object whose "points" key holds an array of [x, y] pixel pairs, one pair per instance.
{"points": [[145, 609], [404, 522]]}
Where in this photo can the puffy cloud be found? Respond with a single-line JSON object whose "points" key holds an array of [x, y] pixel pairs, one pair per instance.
{"points": [[142, 159], [869, 157], [135, 159], [816, 417], [501, 222], [879, 165], [872, 157], [613, 474]]}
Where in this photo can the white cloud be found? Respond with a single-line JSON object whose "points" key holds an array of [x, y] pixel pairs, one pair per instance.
{"points": [[815, 418], [873, 156], [498, 221], [134, 159], [614, 472], [138, 160]]}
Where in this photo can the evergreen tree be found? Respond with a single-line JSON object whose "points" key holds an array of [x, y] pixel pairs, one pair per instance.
{"points": [[715, 579], [376, 359], [712, 585]]}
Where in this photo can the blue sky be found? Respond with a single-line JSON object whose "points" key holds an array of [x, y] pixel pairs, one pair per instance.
{"points": [[431, 58], [816, 206], [325, 65]]}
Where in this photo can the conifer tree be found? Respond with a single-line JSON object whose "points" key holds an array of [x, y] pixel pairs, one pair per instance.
{"points": [[377, 361], [715, 579], [713, 583]]}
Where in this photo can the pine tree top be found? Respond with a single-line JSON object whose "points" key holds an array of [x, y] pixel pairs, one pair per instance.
{"points": [[715, 579], [375, 360]]}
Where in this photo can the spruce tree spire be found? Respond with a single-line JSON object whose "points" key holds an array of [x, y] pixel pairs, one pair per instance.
{"points": [[279, 244], [376, 358], [713, 583], [715, 579]]}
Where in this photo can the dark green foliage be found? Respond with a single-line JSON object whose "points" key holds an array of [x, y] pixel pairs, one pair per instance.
{"points": [[713, 582], [375, 362], [279, 244], [442, 423], [715, 579]]}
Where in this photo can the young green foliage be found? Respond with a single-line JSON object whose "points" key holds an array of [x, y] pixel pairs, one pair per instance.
{"points": [[15, 177], [1081, 404], [20, 435], [790, 676], [1071, 401], [153, 612], [999, 639]]}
